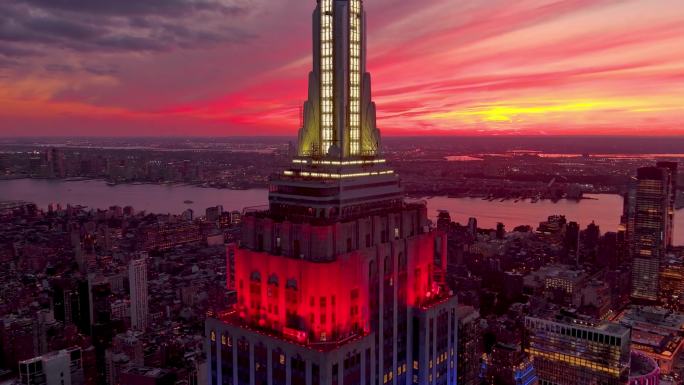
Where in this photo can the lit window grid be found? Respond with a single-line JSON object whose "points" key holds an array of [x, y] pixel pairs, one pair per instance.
{"points": [[549, 343], [354, 77], [560, 358], [327, 53]]}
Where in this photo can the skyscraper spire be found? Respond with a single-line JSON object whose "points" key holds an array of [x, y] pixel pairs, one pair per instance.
{"points": [[339, 115], [340, 280], [337, 173]]}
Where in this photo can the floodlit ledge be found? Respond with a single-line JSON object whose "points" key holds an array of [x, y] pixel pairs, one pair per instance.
{"points": [[339, 162], [336, 176]]}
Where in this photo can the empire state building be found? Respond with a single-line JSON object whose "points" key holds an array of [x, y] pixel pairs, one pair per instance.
{"points": [[340, 280]]}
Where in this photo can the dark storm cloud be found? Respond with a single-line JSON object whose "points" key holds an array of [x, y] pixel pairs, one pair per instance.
{"points": [[102, 70], [117, 25], [95, 69], [11, 56], [139, 7], [15, 51], [60, 68], [6, 63]]}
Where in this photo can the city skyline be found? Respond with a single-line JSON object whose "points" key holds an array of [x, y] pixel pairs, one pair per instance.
{"points": [[514, 257], [227, 68]]}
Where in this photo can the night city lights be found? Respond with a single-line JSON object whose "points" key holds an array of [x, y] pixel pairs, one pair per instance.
{"points": [[341, 192]]}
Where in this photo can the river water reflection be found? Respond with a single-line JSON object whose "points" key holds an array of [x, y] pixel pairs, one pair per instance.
{"points": [[604, 209]]}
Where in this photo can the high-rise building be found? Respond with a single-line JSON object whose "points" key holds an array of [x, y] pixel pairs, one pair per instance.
{"points": [[340, 280], [137, 278], [64, 367], [569, 350], [651, 228], [672, 285], [571, 243], [443, 220], [54, 159], [671, 169], [627, 217], [101, 326], [507, 364], [214, 213], [472, 226], [500, 231], [18, 340], [469, 350], [89, 362], [70, 302], [99, 300]]}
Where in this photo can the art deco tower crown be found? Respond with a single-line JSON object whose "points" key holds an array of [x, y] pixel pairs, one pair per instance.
{"points": [[337, 173], [339, 115], [340, 280]]}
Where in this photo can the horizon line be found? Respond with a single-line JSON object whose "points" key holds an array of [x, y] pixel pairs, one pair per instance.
{"points": [[487, 136]]}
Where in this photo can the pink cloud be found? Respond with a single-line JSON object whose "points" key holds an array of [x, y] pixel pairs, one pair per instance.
{"points": [[438, 67]]}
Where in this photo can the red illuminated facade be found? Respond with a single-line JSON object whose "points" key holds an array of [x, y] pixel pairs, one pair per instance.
{"points": [[366, 290], [340, 280], [330, 298]]}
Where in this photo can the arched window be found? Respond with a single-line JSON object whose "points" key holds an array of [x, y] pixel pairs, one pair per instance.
{"points": [[291, 284], [273, 280], [256, 276], [388, 264], [226, 340], [402, 262]]}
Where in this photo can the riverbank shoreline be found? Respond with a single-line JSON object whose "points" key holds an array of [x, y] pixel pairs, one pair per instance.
{"points": [[206, 185], [137, 183], [604, 209]]}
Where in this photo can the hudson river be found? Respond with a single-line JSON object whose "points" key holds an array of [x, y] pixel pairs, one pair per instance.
{"points": [[605, 210]]}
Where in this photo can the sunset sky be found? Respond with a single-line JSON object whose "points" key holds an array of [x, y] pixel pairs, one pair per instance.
{"points": [[239, 67]]}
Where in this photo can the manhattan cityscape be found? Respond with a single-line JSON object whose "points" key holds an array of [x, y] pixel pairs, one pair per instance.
{"points": [[341, 192]]}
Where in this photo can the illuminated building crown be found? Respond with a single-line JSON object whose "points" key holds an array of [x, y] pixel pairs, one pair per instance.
{"points": [[339, 115], [337, 174]]}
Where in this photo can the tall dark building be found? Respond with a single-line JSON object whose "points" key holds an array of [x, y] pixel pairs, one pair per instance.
{"points": [[102, 326], [509, 365], [470, 346], [339, 280], [651, 228], [472, 226], [443, 220], [18, 340], [571, 243], [627, 218], [589, 240], [54, 158], [71, 302], [671, 167]]}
